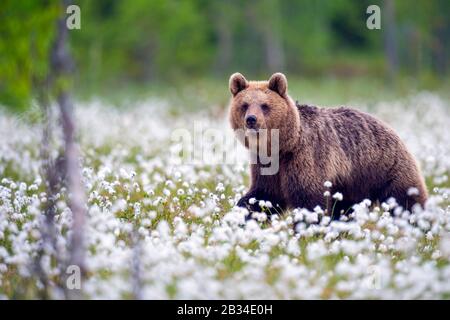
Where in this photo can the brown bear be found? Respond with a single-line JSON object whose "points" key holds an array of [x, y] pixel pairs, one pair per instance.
{"points": [[361, 156]]}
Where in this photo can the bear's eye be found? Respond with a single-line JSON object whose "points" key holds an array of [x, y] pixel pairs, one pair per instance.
{"points": [[265, 107], [244, 107]]}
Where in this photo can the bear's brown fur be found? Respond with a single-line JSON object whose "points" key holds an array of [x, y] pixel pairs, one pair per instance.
{"points": [[361, 156]]}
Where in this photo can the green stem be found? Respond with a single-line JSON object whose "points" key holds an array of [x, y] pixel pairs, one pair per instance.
{"points": [[332, 210]]}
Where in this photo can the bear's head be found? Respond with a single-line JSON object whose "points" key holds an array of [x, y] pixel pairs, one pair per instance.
{"points": [[257, 105]]}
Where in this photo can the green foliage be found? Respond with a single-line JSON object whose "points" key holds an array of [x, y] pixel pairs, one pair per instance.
{"points": [[26, 31], [124, 43], [141, 40]]}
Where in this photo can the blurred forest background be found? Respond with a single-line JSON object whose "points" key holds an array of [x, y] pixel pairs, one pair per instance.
{"points": [[157, 44]]}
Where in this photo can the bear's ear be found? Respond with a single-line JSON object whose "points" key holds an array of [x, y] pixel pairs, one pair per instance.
{"points": [[278, 83], [237, 83]]}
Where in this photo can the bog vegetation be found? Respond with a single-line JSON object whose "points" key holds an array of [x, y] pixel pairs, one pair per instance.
{"points": [[137, 42], [154, 228], [178, 226]]}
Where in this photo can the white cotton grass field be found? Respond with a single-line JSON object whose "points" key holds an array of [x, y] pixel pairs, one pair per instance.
{"points": [[193, 243]]}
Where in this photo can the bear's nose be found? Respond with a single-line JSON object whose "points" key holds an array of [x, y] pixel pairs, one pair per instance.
{"points": [[250, 121]]}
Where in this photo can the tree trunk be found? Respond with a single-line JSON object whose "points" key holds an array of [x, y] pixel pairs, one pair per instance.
{"points": [[47, 227], [390, 40], [225, 44], [274, 51], [62, 66], [266, 17]]}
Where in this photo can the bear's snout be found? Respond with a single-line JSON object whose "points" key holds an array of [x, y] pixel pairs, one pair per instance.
{"points": [[251, 121]]}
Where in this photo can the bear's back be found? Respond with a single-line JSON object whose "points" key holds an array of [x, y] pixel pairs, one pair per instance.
{"points": [[354, 131], [352, 145]]}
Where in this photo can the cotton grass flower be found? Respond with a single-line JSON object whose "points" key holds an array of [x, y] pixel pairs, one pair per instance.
{"points": [[327, 184], [195, 243], [338, 196]]}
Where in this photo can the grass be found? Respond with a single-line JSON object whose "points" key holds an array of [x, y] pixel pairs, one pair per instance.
{"points": [[205, 251], [208, 94]]}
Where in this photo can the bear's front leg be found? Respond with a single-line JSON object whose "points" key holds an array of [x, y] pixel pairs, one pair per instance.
{"points": [[277, 204], [244, 201], [266, 188]]}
